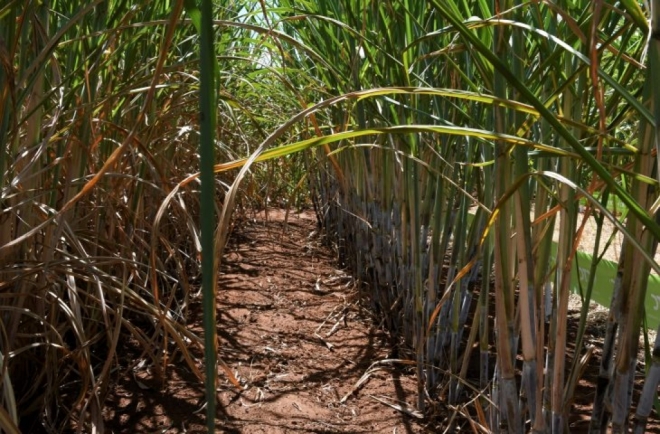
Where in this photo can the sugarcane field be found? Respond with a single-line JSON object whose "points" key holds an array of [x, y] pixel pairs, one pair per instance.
{"points": [[329, 216]]}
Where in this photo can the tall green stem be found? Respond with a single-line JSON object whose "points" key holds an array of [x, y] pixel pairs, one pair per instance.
{"points": [[207, 119]]}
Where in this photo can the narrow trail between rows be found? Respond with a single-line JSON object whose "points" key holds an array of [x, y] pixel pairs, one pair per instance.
{"points": [[295, 334]]}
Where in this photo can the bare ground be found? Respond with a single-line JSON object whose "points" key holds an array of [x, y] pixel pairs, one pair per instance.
{"points": [[296, 337]]}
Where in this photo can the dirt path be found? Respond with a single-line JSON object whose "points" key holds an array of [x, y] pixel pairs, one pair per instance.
{"points": [[295, 335]]}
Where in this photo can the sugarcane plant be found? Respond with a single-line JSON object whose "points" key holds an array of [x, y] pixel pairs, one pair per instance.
{"points": [[507, 115], [445, 142], [99, 124]]}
